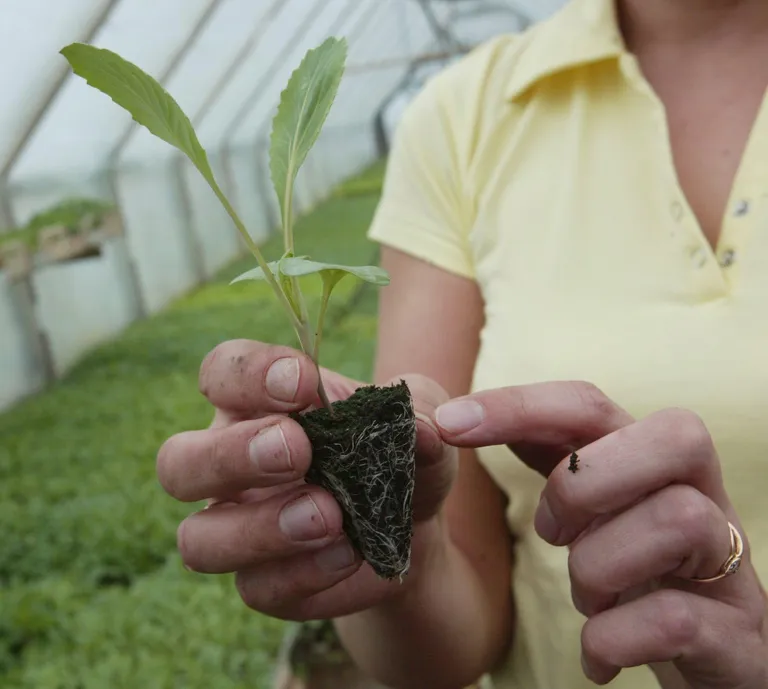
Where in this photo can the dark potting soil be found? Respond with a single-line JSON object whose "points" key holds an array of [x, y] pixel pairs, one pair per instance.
{"points": [[364, 454]]}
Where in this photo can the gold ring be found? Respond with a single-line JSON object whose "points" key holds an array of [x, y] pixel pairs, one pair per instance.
{"points": [[732, 564]]}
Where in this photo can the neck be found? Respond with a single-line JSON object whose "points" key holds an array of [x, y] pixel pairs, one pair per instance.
{"points": [[646, 22]]}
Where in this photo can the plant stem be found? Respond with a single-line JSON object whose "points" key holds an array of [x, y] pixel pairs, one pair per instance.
{"points": [[306, 344], [321, 319], [289, 244], [322, 393], [299, 295], [270, 278], [318, 339], [288, 215]]}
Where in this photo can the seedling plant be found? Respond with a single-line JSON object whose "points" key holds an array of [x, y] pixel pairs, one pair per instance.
{"points": [[363, 447]]}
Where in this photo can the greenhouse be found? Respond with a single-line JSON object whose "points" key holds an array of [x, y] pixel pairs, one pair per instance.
{"points": [[115, 259]]}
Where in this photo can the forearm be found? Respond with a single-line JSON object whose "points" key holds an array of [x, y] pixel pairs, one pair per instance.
{"points": [[443, 632]]}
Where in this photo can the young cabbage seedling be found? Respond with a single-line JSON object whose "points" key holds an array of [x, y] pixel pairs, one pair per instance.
{"points": [[303, 110], [363, 447]]}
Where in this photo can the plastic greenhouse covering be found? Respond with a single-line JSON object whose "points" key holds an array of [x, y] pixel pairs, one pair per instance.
{"points": [[225, 62]]}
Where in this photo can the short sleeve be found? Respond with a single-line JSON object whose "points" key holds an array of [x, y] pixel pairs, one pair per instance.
{"points": [[424, 210]]}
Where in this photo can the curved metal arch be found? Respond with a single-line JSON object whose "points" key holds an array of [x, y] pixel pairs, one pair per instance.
{"points": [[89, 33], [114, 155], [491, 5], [261, 142], [176, 61], [445, 39], [253, 98], [367, 100], [336, 27], [243, 54]]}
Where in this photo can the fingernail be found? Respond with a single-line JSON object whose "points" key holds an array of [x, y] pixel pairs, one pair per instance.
{"points": [[219, 504], [300, 520], [426, 421], [460, 416], [282, 381], [545, 523], [338, 556], [269, 451]]}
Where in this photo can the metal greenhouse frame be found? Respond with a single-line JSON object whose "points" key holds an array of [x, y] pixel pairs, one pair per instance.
{"points": [[225, 62]]}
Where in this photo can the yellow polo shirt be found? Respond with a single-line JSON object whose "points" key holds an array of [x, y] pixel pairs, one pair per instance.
{"points": [[540, 166]]}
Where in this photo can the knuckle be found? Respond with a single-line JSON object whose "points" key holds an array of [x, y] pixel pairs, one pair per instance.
{"points": [[581, 574], [249, 589], [685, 510], [220, 458], [250, 534], [677, 621], [593, 400], [565, 497], [688, 432], [306, 608], [270, 595]]}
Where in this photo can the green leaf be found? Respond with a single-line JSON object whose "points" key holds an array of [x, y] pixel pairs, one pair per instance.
{"points": [[331, 278], [288, 287], [257, 273], [304, 107], [300, 266], [138, 93]]}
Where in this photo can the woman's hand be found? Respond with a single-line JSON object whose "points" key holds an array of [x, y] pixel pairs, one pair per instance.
{"points": [[282, 537], [644, 512]]}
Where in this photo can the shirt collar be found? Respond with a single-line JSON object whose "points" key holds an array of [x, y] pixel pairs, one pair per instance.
{"points": [[582, 32]]}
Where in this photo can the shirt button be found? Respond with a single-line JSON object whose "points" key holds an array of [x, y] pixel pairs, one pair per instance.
{"points": [[676, 208], [698, 257], [728, 258], [742, 208]]}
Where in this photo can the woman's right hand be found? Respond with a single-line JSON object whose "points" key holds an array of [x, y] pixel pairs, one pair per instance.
{"points": [[282, 536]]}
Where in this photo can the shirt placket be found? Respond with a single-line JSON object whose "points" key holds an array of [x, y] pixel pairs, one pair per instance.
{"points": [[715, 271], [749, 193]]}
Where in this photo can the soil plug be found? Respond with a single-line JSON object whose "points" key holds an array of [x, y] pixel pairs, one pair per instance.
{"points": [[363, 454]]}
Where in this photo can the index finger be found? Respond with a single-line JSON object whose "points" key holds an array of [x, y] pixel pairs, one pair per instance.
{"points": [[553, 414], [250, 377]]}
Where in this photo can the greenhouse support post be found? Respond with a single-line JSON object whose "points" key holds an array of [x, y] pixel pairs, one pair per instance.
{"points": [[193, 241]]}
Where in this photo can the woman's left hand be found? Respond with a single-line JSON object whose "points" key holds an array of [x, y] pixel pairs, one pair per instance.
{"points": [[644, 513]]}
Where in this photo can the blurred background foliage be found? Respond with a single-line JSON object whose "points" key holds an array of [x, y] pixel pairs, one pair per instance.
{"points": [[92, 592]]}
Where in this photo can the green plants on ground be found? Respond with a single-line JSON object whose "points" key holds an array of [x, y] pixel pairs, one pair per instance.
{"points": [[171, 629], [380, 434], [70, 214], [371, 182], [92, 594]]}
